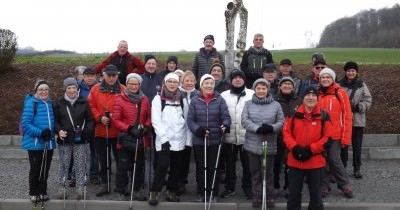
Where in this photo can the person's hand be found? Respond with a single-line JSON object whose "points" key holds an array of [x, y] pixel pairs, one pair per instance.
{"points": [[165, 146], [105, 120], [224, 129], [297, 152], [46, 134], [307, 154], [265, 129], [202, 131]]}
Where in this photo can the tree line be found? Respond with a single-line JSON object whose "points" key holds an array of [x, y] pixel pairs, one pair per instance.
{"points": [[367, 29]]}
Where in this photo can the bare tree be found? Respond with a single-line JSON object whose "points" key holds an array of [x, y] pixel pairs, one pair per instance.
{"points": [[8, 48]]}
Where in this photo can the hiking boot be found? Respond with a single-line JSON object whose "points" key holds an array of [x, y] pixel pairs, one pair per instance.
{"points": [[181, 190], [199, 198], [60, 193], [72, 183], [44, 197], [34, 198], [102, 190], [348, 193], [79, 193], [325, 191], [171, 196], [153, 199], [94, 180], [357, 175], [228, 193], [256, 203]]}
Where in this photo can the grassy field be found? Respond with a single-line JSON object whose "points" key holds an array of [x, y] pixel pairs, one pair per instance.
{"points": [[298, 56]]}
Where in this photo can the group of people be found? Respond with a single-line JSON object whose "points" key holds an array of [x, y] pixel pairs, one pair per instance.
{"points": [[270, 119]]}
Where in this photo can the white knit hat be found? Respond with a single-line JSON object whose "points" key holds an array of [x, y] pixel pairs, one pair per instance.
{"points": [[134, 75], [328, 71], [204, 77], [171, 75]]}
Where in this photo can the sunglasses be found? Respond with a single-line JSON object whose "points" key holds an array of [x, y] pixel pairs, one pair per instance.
{"points": [[319, 67]]}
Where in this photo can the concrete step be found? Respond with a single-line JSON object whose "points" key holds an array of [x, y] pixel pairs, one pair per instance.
{"points": [[16, 204]]}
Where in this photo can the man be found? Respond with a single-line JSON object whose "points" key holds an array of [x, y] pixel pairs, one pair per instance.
{"points": [[286, 70], [85, 85], [206, 57], [336, 102], [101, 100], [124, 61], [254, 59], [269, 74], [235, 99], [289, 102], [312, 78], [305, 135]]}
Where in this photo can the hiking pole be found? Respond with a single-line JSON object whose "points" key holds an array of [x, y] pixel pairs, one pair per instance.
{"points": [[42, 173], [108, 155], [205, 171], [215, 171], [264, 162], [133, 173], [85, 177]]}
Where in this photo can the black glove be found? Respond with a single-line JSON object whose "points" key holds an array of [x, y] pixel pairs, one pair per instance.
{"points": [[136, 132], [265, 129], [165, 146], [201, 131], [355, 108], [46, 134], [225, 129], [307, 154], [297, 152], [328, 144]]}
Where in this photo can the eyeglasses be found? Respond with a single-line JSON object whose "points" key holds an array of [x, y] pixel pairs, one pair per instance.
{"points": [[319, 67], [172, 82], [43, 89], [133, 84]]}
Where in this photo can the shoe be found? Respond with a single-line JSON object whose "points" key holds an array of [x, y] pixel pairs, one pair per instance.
{"points": [[248, 193], [325, 191], [34, 198], [140, 195], [228, 193], [102, 191], [153, 199], [94, 180], [286, 193], [44, 197], [60, 193], [357, 174], [79, 193], [270, 203], [199, 198], [181, 190], [348, 193], [72, 183], [171, 196], [256, 203]]}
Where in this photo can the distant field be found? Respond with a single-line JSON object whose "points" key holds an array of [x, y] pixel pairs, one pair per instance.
{"points": [[298, 56]]}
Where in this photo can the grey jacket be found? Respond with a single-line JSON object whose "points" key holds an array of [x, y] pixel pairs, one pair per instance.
{"points": [[253, 116]]}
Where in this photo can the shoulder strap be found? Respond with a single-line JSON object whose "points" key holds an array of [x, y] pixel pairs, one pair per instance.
{"points": [[139, 106], [163, 104]]}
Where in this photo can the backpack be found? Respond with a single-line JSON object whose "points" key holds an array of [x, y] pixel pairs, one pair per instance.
{"points": [[324, 117], [21, 131], [163, 104]]}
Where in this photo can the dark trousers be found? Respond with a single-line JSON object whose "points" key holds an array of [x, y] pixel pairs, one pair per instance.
{"points": [[257, 173], [100, 145], [38, 172], [356, 144], [231, 155], [94, 165], [296, 179], [186, 155], [211, 158], [126, 161], [172, 160], [279, 162]]}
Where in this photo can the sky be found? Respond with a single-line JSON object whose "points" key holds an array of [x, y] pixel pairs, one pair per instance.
{"points": [[96, 26]]}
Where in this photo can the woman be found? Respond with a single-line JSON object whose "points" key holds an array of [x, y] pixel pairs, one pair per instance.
{"points": [[217, 70], [172, 65], [74, 125], [208, 119], [38, 138], [131, 116], [168, 120], [260, 128], [188, 91], [361, 100]]}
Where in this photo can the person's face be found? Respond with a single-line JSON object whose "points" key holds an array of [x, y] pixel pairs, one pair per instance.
{"points": [[110, 79], [286, 87], [351, 74], [237, 81], [216, 72], [318, 68], [79, 77], [261, 90], [122, 48], [326, 80], [208, 44], [133, 85], [43, 92], [269, 76], [172, 85], [285, 69], [89, 79], [208, 86], [188, 83], [171, 66], [71, 91], [151, 66], [258, 41], [310, 100]]}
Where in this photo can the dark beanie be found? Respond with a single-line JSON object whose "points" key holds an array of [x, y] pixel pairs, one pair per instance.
{"points": [[148, 57], [237, 72], [350, 65], [173, 59], [311, 90], [40, 82], [216, 63], [209, 37]]}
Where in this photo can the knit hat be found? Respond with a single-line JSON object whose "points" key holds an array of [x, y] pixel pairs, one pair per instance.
{"points": [[237, 72], [311, 90], [179, 72], [171, 75], [148, 57], [261, 80], [270, 67], [39, 83], [134, 75], [350, 65], [204, 77], [209, 37], [285, 61], [284, 79], [70, 81], [172, 59], [318, 56], [110, 69], [328, 71], [319, 61]]}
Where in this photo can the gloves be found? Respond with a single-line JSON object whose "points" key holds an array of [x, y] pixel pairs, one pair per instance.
{"points": [[301, 153], [328, 144], [165, 146], [224, 129], [201, 131], [265, 129], [355, 108], [137, 132], [46, 134]]}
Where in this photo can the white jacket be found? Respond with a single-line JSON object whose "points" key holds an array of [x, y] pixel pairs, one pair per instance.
{"points": [[186, 102], [169, 124], [235, 106]]}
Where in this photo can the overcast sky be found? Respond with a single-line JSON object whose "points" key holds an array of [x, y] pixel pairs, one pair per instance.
{"points": [[88, 26]]}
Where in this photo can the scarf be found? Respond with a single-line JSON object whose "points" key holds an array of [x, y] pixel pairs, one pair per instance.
{"points": [[269, 99], [237, 90], [71, 100], [134, 97], [113, 89], [353, 84], [170, 96], [207, 98]]}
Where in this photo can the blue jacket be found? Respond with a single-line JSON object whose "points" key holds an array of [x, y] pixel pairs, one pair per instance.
{"points": [[33, 124], [211, 115], [151, 84], [84, 88]]}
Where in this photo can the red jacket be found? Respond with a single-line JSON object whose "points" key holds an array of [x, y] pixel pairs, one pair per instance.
{"points": [[135, 65], [336, 102], [124, 114], [306, 132], [99, 103]]}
